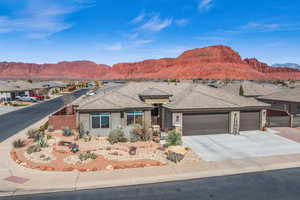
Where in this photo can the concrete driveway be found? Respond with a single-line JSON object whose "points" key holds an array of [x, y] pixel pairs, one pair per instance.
{"points": [[248, 144]]}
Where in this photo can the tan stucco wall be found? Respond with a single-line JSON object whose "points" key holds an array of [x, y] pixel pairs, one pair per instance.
{"points": [[115, 122]]}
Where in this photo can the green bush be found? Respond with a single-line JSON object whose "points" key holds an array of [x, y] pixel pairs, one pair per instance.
{"points": [[173, 139], [34, 148], [116, 135], [86, 156], [19, 143], [49, 137]]}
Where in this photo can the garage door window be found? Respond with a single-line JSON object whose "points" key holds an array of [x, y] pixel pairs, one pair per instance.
{"points": [[100, 120], [135, 117]]}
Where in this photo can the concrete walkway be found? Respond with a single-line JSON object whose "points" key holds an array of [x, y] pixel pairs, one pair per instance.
{"points": [[35, 181]]}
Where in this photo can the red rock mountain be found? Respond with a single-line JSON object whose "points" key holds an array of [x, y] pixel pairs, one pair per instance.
{"points": [[215, 62]]}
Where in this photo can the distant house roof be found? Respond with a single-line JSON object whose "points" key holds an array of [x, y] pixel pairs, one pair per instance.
{"points": [[251, 89], [25, 85], [53, 84], [184, 96], [5, 87], [286, 95]]}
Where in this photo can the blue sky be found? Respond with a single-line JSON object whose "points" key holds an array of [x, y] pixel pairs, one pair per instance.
{"points": [[112, 31]]}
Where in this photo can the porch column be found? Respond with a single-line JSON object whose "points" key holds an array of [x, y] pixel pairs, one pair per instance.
{"points": [[147, 118], [263, 119], [234, 122]]}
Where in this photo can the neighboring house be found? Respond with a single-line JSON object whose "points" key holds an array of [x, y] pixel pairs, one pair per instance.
{"points": [[193, 108], [286, 100], [9, 91], [30, 88], [53, 87]]}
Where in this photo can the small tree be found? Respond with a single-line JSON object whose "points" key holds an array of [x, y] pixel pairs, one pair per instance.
{"points": [[241, 91]]}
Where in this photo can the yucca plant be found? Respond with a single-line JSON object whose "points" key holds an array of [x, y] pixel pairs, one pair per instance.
{"points": [[19, 143]]}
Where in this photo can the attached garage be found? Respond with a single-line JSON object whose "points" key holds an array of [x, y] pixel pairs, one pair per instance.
{"points": [[205, 124], [249, 120]]}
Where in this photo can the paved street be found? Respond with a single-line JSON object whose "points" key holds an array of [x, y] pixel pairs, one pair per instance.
{"points": [[13, 122], [275, 185]]}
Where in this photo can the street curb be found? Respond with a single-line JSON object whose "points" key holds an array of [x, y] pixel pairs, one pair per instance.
{"points": [[151, 180]]}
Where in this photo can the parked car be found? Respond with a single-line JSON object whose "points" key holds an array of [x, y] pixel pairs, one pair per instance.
{"points": [[26, 98], [40, 98]]}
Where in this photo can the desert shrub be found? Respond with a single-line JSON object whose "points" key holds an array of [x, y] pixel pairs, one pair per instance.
{"points": [[39, 136], [19, 143], [86, 156], [31, 134], [173, 138], [67, 132], [116, 135], [34, 148], [42, 143], [44, 127], [139, 132]]}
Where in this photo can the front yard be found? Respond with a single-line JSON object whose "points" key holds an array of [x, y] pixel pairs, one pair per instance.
{"points": [[68, 150]]}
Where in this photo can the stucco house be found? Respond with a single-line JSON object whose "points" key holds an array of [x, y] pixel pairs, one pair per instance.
{"points": [[288, 101], [9, 91], [193, 108]]}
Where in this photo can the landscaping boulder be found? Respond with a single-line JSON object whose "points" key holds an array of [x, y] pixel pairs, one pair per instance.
{"points": [[176, 153]]}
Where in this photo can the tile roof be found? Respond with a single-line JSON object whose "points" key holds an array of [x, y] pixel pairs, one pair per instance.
{"points": [[288, 95], [203, 97], [185, 96]]}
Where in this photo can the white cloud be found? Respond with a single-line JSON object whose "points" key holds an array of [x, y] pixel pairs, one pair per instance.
{"points": [[133, 35], [262, 27], [205, 4], [181, 22], [156, 24], [39, 20], [141, 42], [138, 18]]}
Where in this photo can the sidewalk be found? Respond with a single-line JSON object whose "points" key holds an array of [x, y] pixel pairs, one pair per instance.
{"points": [[36, 181]]}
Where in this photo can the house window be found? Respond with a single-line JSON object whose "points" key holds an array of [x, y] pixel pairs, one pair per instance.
{"points": [[177, 119], [100, 120], [135, 117]]}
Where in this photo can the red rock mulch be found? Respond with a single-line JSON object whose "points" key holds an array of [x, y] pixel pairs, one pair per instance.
{"points": [[100, 163]]}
